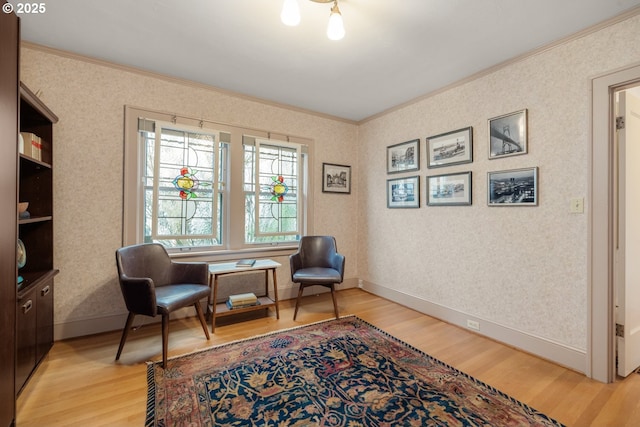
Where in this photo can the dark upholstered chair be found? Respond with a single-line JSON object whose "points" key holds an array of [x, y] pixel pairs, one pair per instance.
{"points": [[153, 284], [317, 262]]}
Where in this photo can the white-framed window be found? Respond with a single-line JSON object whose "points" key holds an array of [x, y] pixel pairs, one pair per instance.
{"points": [[201, 187], [183, 175], [275, 213]]}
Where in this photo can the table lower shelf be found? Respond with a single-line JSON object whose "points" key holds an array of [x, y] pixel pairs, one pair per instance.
{"points": [[223, 310]]}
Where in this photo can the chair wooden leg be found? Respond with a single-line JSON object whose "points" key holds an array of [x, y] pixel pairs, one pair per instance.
{"points": [[295, 312], [335, 304], [165, 339], [203, 322], [125, 333]]}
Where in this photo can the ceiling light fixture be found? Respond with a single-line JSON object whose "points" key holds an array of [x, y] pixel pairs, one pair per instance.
{"points": [[290, 15]]}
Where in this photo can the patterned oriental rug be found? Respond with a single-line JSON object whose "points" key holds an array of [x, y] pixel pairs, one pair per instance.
{"points": [[342, 372]]}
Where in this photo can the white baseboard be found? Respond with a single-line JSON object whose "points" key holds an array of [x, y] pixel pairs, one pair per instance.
{"points": [[556, 352], [98, 325]]}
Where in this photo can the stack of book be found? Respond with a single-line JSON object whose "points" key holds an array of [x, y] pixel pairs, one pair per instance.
{"points": [[245, 263], [31, 145], [242, 300]]}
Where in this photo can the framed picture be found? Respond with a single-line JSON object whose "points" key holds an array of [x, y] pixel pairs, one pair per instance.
{"points": [[403, 192], [450, 148], [453, 189], [336, 178], [516, 187], [508, 135], [404, 157]]}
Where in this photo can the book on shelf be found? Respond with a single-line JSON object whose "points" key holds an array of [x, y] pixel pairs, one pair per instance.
{"points": [[245, 263], [232, 306], [241, 299]]}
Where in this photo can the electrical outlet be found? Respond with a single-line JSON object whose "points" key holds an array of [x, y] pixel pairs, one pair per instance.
{"points": [[472, 324], [360, 283]]}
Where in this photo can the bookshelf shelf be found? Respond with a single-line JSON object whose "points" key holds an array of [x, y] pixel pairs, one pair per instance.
{"points": [[219, 309]]}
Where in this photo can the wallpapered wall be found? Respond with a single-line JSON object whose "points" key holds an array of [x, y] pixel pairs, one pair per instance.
{"points": [[520, 267], [89, 99]]}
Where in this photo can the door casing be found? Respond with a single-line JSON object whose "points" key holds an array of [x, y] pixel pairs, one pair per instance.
{"points": [[600, 358]]}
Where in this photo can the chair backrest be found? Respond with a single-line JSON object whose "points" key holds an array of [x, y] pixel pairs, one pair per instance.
{"points": [[149, 260], [317, 251]]}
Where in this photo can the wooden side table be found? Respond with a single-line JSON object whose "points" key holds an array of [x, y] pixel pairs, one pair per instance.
{"points": [[215, 309]]}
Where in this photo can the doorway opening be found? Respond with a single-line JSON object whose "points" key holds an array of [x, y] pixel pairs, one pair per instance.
{"points": [[601, 343], [626, 224]]}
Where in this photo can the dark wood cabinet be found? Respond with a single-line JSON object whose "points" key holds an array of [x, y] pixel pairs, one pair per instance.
{"points": [[9, 53], [26, 316], [26, 337], [35, 291], [34, 335]]}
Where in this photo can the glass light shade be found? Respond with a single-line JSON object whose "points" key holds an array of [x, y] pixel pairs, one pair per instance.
{"points": [[290, 14], [335, 29]]}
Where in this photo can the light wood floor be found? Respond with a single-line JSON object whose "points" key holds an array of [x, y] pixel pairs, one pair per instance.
{"points": [[80, 384]]}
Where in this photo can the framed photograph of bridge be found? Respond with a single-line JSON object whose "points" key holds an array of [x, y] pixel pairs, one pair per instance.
{"points": [[508, 135], [450, 148], [403, 157], [516, 187], [453, 189]]}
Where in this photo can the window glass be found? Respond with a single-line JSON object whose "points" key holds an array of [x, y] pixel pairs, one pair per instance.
{"points": [[275, 212], [202, 186], [183, 175]]}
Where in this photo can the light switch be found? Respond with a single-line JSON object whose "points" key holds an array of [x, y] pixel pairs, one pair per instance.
{"points": [[577, 205]]}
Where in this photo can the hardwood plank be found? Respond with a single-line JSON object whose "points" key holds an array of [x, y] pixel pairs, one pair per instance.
{"points": [[81, 384]]}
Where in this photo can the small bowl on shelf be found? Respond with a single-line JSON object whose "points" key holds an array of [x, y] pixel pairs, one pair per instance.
{"points": [[22, 207]]}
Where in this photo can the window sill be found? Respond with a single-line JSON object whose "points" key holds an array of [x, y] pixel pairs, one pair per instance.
{"points": [[232, 255]]}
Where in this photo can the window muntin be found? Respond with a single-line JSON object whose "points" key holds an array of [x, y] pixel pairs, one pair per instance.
{"points": [[236, 199], [183, 179], [275, 213]]}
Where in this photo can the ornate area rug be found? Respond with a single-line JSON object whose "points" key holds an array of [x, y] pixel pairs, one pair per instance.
{"points": [[342, 372]]}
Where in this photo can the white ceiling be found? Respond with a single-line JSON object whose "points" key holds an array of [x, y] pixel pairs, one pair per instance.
{"points": [[394, 50]]}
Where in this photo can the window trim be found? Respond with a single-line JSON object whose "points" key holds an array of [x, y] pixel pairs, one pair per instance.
{"points": [[232, 231]]}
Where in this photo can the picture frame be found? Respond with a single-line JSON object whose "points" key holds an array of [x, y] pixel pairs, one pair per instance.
{"points": [[508, 135], [515, 187], [452, 189], [403, 192], [336, 178], [403, 157], [450, 148]]}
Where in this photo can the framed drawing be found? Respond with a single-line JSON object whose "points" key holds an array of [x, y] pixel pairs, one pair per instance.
{"points": [[516, 187], [403, 192], [508, 135], [450, 148], [453, 189], [403, 157], [336, 178]]}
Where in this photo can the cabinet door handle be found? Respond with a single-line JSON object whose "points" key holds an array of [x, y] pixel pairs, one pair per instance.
{"points": [[45, 291], [27, 307]]}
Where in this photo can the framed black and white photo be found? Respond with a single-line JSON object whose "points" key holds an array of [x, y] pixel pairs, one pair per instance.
{"points": [[453, 189], [516, 187], [403, 192], [450, 148], [404, 157], [336, 178], [508, 135]]}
